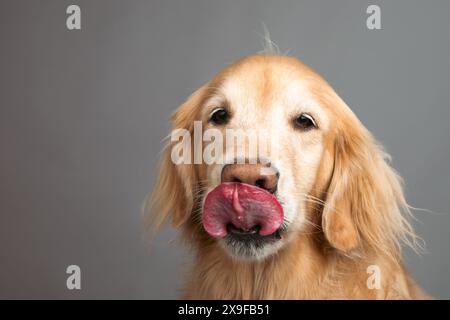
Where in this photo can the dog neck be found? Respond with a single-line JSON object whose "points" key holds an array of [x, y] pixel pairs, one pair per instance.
{"points": [[298, 271]]}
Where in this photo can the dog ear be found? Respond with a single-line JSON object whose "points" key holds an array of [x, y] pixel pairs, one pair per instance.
{"points": [[174, 191], [364, 205]]}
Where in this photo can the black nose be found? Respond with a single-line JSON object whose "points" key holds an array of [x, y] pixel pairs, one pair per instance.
{"points": [[260, 175]]}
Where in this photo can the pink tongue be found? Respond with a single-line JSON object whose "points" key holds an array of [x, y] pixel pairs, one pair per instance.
{"points": [[242, 205]]}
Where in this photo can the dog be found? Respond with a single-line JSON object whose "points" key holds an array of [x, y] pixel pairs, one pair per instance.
{"points": [[324, 217]]}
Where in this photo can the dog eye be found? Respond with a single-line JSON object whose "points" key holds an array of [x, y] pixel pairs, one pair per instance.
{"points": [[219, 116], [305, 122]]}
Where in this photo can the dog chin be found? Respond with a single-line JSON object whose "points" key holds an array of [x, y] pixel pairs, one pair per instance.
{"points": [[255, 248]]}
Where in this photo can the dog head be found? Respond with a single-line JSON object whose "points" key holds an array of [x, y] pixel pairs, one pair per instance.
{"points": [[321, 173]]}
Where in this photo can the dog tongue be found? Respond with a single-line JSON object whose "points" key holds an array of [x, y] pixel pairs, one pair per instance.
{"points": [[242, 205]]}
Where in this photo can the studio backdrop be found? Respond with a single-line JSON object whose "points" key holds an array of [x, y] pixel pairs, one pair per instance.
{"points": [[85, 103]]}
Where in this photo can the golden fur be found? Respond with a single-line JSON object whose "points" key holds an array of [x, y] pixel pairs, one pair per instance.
{"points": [[358, 217]]}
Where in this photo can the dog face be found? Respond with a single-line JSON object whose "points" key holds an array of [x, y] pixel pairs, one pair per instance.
{"points": [[322, 172], [271, 98]]}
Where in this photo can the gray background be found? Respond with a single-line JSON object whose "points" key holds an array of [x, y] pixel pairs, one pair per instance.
{"points": [[83, 113]]}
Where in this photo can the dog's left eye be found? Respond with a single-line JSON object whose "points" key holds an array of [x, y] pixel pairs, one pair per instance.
{"points": [[219, 116], [305, 122]]}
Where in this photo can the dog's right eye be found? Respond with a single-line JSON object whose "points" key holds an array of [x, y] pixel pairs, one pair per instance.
{"points": [[219, 116]]}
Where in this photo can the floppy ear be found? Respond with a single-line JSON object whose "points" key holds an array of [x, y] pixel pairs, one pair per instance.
{"points": [[173, 194], [364, 205]]}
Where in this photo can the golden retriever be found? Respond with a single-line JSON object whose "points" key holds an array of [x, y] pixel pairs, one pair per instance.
{"points": [[327, 217]]}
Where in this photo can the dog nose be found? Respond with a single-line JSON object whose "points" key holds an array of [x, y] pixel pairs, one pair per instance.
{"points": [[260, 175]]}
